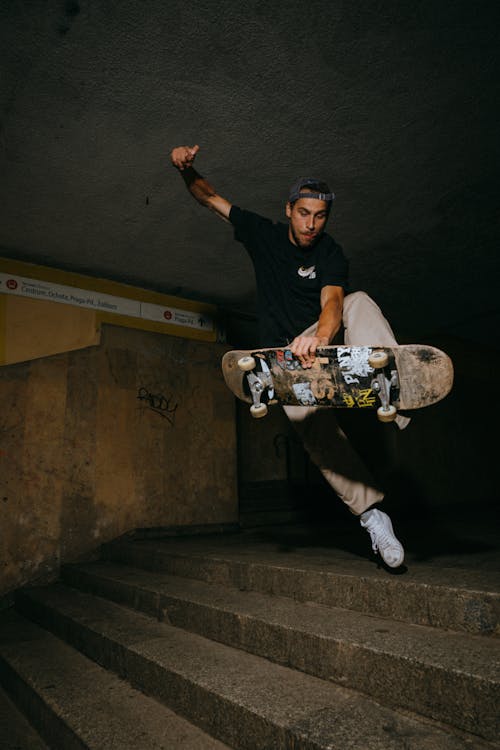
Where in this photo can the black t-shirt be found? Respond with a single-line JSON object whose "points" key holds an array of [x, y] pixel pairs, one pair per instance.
{"points": [[289, 279]]}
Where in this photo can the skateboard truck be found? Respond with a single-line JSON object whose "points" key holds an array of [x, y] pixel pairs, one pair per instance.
{"points": [[382, 385], [257, 382]]}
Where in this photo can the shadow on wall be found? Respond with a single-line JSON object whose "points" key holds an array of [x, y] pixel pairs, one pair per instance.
{"points": [[450, 269]]}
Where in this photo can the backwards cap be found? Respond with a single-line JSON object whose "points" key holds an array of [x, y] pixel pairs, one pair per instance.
{"points": [[297, 190]]}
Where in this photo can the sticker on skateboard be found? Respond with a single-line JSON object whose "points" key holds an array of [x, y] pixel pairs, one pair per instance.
{"points": [[386, 378]]}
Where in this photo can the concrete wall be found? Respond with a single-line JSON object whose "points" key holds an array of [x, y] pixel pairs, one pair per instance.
{"points": [[139, 431]]}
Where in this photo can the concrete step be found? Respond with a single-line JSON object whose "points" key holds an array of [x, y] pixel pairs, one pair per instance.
{"points": [[449, 677], [74, 703], [440, 597], [252, 519], [16, 732], [244, 700]]}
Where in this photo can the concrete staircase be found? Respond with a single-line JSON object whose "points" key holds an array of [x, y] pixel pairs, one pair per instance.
{"points": [[254, 641]]}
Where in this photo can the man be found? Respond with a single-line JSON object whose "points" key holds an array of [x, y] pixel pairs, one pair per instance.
{"points": [[301, 276]]}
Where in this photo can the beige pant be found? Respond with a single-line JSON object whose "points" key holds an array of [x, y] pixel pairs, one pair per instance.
{"points": [[321, 435]]}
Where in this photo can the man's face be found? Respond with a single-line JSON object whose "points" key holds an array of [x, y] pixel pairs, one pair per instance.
{"points": [[308, 217]]}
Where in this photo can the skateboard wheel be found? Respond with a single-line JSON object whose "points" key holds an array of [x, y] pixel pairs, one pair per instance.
{"points": [[258, 410], [378, 360], [387, 415], [246, 363]]}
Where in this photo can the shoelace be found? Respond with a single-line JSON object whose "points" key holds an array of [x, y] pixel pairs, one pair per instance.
{"points": [[384, 538]]}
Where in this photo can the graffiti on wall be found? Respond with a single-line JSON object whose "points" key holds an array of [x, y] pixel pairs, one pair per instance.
{"points": [[158, 403]]}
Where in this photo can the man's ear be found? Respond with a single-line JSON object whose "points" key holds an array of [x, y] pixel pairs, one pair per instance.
{"points": [[288, 209]]}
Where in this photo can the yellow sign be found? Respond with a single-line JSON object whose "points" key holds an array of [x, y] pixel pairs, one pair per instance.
{"points": [[31, 311], [110, 298]]}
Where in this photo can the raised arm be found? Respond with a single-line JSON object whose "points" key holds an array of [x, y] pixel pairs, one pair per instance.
{"points": [[182, 159]]}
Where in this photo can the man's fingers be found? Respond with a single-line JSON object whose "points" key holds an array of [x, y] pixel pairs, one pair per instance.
{"points": [[305, 349], [183, 156], [300, 346], [191, 153], [177, 156]]}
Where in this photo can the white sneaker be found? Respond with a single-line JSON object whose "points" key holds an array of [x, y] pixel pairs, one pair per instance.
{"points": [[379, 526]]}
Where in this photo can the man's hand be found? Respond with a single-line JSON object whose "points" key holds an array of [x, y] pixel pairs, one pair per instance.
{"points": [[304, 347], [183, 157]]}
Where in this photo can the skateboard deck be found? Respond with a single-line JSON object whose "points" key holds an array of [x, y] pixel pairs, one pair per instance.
{"points": [[386, 378]]}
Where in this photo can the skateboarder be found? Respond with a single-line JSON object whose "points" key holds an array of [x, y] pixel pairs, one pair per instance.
{"points": [[302, 280]]}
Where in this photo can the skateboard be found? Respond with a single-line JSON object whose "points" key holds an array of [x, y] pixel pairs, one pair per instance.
{"points": [[385, 378]]}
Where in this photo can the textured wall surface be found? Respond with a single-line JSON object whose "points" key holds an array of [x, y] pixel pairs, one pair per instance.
{"points": [[138, 431], [395, 102]]}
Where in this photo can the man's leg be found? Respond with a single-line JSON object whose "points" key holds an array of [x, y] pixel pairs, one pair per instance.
{"points": [[332, 453], [328, 446], [364, 322], [365, 325]]}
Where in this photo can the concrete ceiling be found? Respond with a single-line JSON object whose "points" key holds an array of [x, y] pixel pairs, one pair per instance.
{"points": [[395, 103]]}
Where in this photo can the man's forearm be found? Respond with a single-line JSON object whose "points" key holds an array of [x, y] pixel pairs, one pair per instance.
{"points": [[198, 186], [329, 321], [202, 191]]}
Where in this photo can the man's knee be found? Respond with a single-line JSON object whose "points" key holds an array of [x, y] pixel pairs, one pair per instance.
{"points": [[358, 302], [358, 298], [365, 323]]}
